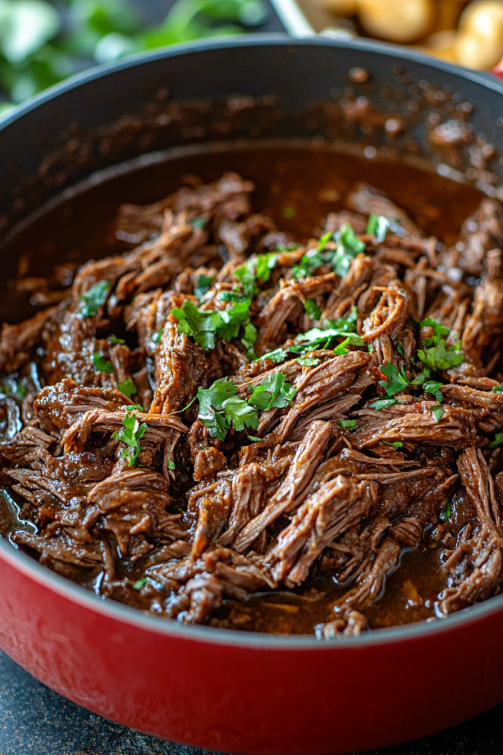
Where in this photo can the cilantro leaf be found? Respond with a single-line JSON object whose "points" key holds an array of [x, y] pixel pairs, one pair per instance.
{"points": [[383, 403], [157, 336], [130, 434], [93, 299], [378, 226], [438, 331], [350, 423], [498, 388], [200, 325], [102, 364], [399, 348], [198, 223], [140, 583], [396, 381], [127, 387], [308, 361], [497, 442], [432, 387], [215, 396], [203, 285], [341, 348], [255, 268], [114, 340], [240, 413], [324, 240], [440, 356], [437, 411], [253, 438], [230, 320], [396, 444], [217, 423], [348, 246], [446, 512], [277, 355], [248, 341], [273, 391], [171, 464], [312, 309]]}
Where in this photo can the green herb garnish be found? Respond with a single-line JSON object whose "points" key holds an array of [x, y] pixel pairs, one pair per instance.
{"points": [[436, 355], [204, 327], [93, 299], [396, 381], [273, 391], [114, 340], [308, 361], [437, 411], [497, 442], [348, 246], [378, 226], [396, 444], [383, 403], [446, 512], [127, 387], [203, 285], [102, 364], [140, 583], [198, 223], [158, 335], [432, 387], [171, 464], [312, 309], [130, 434], [497, 388], [248, 341], [349, 423], [256, 268]]}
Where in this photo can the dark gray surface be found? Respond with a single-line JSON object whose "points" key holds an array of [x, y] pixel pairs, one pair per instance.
{"points": [[34, 720]]}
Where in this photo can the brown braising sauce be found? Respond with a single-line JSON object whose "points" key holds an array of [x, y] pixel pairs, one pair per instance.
{"points": [[297, 186]]}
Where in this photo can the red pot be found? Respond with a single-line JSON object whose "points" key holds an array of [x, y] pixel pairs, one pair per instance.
{"points": [[220, 689]]}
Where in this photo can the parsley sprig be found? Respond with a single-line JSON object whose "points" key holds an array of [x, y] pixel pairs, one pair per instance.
{"points": [[93, 299], [130, 434]]}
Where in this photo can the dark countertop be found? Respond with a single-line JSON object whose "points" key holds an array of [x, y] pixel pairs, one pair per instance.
{"points": [[34, 720]]}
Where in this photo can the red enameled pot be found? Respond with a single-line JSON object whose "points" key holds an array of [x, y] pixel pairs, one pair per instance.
{"points": [[220, 689]]}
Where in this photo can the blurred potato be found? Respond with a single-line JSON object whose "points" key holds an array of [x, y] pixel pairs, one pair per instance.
{"points": [[397, 20], [441, 44], [479, 43]]}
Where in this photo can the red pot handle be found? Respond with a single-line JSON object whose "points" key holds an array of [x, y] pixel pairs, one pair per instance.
{"points": [[498, 69]]}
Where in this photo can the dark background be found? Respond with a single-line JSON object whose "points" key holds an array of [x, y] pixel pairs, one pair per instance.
{"points": [[34, 720]]}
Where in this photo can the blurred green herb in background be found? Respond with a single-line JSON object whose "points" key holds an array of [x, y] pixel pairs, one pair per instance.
{"points": [[42, 42]]}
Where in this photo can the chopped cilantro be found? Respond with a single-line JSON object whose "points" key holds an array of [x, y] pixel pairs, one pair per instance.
{"points": [[446, 512], [497, 442], [253, 438], [348, 246], [312, 309], [197, 223], [396, 444], [140, 583], [102, 364], [396, 381], [369, 348], [432, 387], [93, 299], [378, 226], [114, 339], [157, 336], [171, 464], [127, 387], [437, 411], [205, 326], [256, 268], [383, 403], [273, 391], [289, 212], [239, 412], [341, 348], [350, 423], [438, 331], [277, 355], [399, 348], [203, 285], [20, 392], [308, 361], [440, 356], [498, 388], [130, 434], [248, 340]]}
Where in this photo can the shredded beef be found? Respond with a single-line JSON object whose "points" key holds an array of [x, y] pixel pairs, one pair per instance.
{"points": [[243, 454]]}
